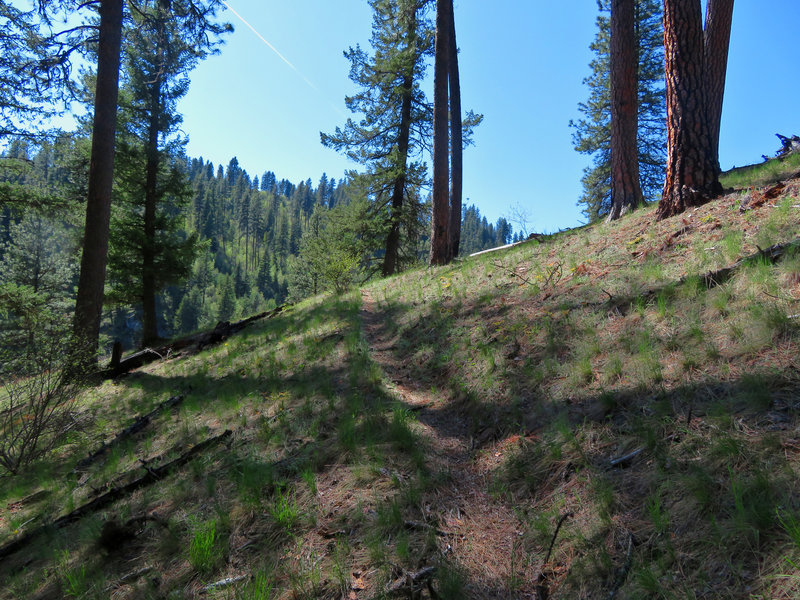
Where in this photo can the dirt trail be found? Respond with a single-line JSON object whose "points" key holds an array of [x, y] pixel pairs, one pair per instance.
{"points": [[483, 534]]}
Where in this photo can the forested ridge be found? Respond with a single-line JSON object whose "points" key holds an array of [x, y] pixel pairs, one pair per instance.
{"points": [[249, 235]]}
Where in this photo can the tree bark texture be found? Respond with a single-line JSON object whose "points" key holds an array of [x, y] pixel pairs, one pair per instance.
{"points": [[440, 240], [692, 177], [719, 15], [89, 301], [626, 192], [456, 142]]}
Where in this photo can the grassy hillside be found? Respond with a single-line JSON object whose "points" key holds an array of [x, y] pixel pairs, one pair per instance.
{"points": [[586, 417]]}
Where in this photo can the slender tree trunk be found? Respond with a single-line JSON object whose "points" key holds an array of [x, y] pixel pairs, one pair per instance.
{"points": [[390, 260], [692, 177], [456, 142], [149, 319], [89, 301], [440, 240], [626, 193], [719, 15]]}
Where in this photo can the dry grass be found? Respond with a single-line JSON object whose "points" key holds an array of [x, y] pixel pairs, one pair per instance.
{"points": [[453, 420]]}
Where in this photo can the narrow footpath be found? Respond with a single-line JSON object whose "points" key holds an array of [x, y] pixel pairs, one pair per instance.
{"points": [[483, 535]]}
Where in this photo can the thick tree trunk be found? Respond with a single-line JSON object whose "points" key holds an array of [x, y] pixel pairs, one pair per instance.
{"points": [[719, 15], [456, 142], [626, 193], [440, 240], [692, 177], [89, 301]]}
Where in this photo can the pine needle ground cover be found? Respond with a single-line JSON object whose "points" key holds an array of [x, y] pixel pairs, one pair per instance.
{"points": [[586, 417]]}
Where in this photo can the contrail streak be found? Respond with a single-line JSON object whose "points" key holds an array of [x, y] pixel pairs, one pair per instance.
{"points": [[271, 47]]}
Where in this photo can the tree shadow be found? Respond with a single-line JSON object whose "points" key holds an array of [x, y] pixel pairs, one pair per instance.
{"points": [[673, 474]]}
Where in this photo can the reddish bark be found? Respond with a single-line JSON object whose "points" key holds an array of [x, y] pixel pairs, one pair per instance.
{"points": [[440, 240], [456, 142], [692, 176], [719, 15], [626, 192]]}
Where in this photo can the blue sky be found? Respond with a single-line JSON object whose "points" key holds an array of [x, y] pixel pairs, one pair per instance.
{"points": [[522, 64]]}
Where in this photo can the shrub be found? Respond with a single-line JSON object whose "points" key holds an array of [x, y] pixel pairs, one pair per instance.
{"points": [[40, 381]]}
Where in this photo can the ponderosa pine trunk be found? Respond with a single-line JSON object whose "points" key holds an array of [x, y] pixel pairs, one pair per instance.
{"points": [[692, 177], [719, 16], [391, 258], [440, 240], [89, 300], [456, 141], [626, 191]]}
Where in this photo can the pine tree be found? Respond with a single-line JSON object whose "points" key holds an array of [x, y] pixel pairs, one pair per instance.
{"points": [[226, 307], [692, 161], [37, 268], [450, 135], [158, 56], [187, 318], [195, 18], [35, 68], [389, 139], [626, 193], [89, 300], [440, 224], [592, 133], [719, 15]]}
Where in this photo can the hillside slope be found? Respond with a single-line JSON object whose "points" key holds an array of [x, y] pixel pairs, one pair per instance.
{"points": [[608, 413]]}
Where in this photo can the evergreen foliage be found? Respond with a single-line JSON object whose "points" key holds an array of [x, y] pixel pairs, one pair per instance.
{"points": [[149, 245], [478, 234], [389, 138], [261, 239], [334, 251], [592, 133]]}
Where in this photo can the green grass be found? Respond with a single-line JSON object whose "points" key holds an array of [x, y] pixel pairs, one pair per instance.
{"points": [[205, 546], [614, 347], [284, 509], [761, 174]]}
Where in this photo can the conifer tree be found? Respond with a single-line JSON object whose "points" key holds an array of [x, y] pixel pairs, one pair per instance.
{"points": [[719, 17], [89, 300], [626, 193], [695, 67], [158, 56], [457, 144], [226, 307], [440, 223], [450, 135], [592, 133], [389, 139]]}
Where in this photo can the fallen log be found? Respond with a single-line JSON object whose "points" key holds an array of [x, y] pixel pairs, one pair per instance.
{"points": [[221, 332], [411, 582], [788, 145], [138, 424], [150, 477], [755, 200], [223, 583]]}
